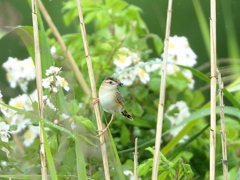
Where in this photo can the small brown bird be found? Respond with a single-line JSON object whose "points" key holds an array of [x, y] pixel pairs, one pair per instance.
{"points": [[111, 100]]}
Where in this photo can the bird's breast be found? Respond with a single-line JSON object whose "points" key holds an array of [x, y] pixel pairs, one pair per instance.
{"points": [[108, 102]]}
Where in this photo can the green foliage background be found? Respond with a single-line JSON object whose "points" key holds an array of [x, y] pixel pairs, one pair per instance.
{"points": [[144, 26]]}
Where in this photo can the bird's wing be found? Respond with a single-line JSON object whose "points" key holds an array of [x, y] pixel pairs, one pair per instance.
{"points": [[119, 98]]}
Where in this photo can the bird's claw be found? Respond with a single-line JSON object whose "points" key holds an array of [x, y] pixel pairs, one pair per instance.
{"points": [[95, 101], [101, 132]]}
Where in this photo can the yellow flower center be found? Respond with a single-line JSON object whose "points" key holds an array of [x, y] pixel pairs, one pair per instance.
{"points": [[122, 59], [18, 104], [63, 82], [171, 46], [28, 134], [142, 73]]}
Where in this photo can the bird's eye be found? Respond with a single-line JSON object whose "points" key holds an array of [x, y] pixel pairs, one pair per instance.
{"points": [[110, 82]]}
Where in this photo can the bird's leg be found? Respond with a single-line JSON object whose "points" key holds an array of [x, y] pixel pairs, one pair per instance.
{"points": [[104, 130], [95, 101]]}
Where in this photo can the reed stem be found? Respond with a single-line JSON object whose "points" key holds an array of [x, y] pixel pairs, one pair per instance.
{"points": [[93, 88], [162, 94], [39, 87], [213, 89]]}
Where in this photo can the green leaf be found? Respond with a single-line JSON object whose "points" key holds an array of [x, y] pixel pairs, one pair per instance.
{"points": [[141, 92], [49, 158], [91, 16], [81, 165], [137, 109], [163, 175], [125, 135], [26, 34], [144, 168], [154, 84], [106, 47], [158, 43], [86, 122]]}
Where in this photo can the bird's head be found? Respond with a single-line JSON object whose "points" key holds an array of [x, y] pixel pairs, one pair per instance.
{"points": [[111, 83]]}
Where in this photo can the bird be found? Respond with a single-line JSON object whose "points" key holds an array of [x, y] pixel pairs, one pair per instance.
{"points": [[111, 100]]}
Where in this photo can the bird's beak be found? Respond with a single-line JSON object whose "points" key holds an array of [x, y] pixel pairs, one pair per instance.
{"points": [[120, 84]]}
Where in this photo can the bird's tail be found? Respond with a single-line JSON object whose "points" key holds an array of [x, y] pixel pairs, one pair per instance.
{"points": [[125, 113]]}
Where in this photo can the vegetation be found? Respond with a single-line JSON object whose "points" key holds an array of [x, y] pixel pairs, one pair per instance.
{"points": [[121, 46]]}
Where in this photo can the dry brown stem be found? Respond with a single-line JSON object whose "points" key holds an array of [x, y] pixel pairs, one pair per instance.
{"points": [[39, 87], [213, 90], [136, 160], [68, 55], [162, 94], [93, 88], [223, 130]]}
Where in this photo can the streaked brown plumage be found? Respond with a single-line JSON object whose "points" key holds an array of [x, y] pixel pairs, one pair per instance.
{"points": [[111, 100]]}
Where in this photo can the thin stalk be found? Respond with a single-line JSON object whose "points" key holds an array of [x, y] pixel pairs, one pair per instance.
{"points": [[202, 23], [162, 95], [39, 87], [136, 159], [223, 130], [93, 89], [213, 89], [68, 55], [232, 37]]}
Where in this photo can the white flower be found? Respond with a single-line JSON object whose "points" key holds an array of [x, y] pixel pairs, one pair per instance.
{"points": [[53, 71], [127, 78], [1, 94], [122, 61], [30, 135], [172, 69], [8, 65], [62, 82], [4, 110], [28, 69], [47, 102], [135, 58], [47, 82], [19, 72], [142, 74], [152, 67], [21, 102], [188, 74], [181, 114], [20, 121], [179, 52], [73, 125], [129, 174], [4, 131], [65, 116], [53, 50], [81, 105], [34, 96]]}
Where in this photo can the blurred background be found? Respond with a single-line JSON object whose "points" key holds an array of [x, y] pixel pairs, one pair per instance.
{"points": [[188, 19]]}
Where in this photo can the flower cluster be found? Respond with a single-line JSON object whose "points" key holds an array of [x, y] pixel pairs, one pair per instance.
{"points": [[179, 52], [19, 72], [4, 131], [54, 80], [126, 58], [176, 113], [23, 102]]}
